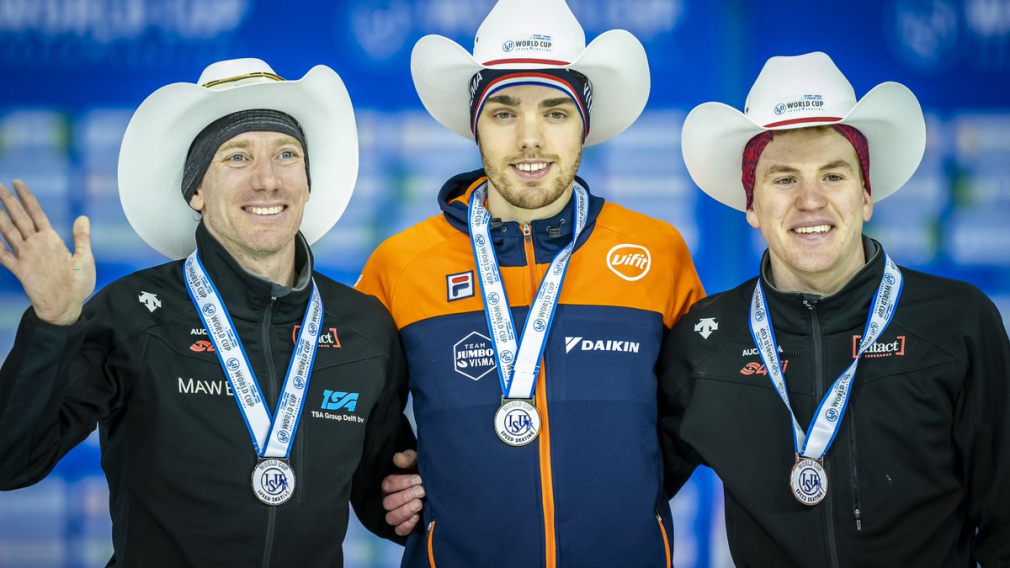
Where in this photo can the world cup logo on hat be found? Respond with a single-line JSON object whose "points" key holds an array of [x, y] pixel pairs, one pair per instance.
{"points": [[232, 364], [209, 310]]}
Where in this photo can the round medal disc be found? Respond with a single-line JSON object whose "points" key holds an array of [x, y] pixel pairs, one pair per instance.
{"points": [[273, 481], [808, 481], [517, 422]]}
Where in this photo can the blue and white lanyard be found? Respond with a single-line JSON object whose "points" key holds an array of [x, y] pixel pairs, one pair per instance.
{"points": [[518, 362], [815, 442], [271, 437]]}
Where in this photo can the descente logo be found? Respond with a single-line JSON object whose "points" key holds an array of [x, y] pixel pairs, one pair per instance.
{"points": [[630, 262]]}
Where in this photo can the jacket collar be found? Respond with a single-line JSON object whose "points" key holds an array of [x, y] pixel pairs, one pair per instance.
{"points": [[248, 296], [549, 235], [842, 311]]}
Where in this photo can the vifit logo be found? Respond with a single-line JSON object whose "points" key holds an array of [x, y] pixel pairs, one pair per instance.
{"points": [[335, 400], [630, 262]]}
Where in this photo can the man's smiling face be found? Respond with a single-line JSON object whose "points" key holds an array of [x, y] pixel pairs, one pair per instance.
{"points": [[810, 205]]}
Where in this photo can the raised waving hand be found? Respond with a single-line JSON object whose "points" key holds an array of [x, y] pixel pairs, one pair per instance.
{"points": [[56, 281]]}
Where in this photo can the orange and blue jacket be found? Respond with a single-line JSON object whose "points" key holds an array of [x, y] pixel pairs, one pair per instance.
{"points": [[588, 490]]}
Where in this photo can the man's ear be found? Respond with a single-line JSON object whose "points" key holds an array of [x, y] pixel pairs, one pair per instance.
{"points": [[196, 202]]}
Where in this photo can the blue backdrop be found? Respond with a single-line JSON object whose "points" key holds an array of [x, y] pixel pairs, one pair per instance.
{"points": [[74, 70]]}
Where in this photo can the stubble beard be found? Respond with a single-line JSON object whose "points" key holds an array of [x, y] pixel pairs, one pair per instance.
{"points": [[533, 194]]}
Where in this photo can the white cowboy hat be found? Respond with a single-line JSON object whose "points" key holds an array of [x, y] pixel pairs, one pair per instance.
{"points": [[534, 34], [800, 92], [153, 155]]}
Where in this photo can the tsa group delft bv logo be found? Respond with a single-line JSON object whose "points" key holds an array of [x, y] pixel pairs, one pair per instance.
{"points": [[335, 400]]}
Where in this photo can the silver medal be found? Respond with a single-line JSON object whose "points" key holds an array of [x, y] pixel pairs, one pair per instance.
{"points": [[517, 422], [808, 481], [273, 481]]}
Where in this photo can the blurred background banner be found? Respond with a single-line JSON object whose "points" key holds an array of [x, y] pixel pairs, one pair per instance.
{"points": [[74, 71]]}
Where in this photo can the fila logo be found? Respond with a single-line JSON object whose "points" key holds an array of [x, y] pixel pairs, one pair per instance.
{"points": [[459, 286], [326, 340], [335, 400], [755, 368], [630, 262], [600, 345], [878, 349]]}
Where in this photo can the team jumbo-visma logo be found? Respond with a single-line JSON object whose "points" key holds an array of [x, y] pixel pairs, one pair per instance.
{"points": [[473, 356], [581, 344], [630, 262], [335, 400]]}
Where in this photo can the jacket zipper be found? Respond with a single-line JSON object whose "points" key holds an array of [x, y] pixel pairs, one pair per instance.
{"points": [[544, 440], [828, 510], [666, 541], [431, 538], [270, 386], [850, 417]]}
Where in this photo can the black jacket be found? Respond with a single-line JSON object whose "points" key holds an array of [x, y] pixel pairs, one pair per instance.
{"points": [[175, 449], [921, 460]]}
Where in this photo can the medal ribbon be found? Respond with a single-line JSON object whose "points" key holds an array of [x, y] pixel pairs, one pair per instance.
{"points": [[815, 442], [271, 436], [518, 362]]}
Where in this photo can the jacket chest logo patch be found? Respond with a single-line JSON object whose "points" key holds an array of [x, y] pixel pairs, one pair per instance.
{"points": [[611, 345], [473, 356], [327, 339], [459, 286], [150, 301], [755, 368], [892, 348], [706, 326], [630, 262]]}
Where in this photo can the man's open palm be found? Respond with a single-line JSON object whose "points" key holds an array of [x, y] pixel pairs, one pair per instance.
{"points": [[56, 281]]}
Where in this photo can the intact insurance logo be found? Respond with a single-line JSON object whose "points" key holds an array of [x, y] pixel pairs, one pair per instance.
{"points": [[895, 347], [630, 262]]}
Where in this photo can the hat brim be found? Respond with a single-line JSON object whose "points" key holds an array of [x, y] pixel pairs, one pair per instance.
{"points": [[615, 63], [153, 154], [715, 135]]}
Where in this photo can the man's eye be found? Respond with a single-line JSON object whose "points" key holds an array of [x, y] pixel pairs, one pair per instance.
{"points": [[833, 177], [287, 154], [557, 115], [235, 158], [502, 114], [784, 181]]}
